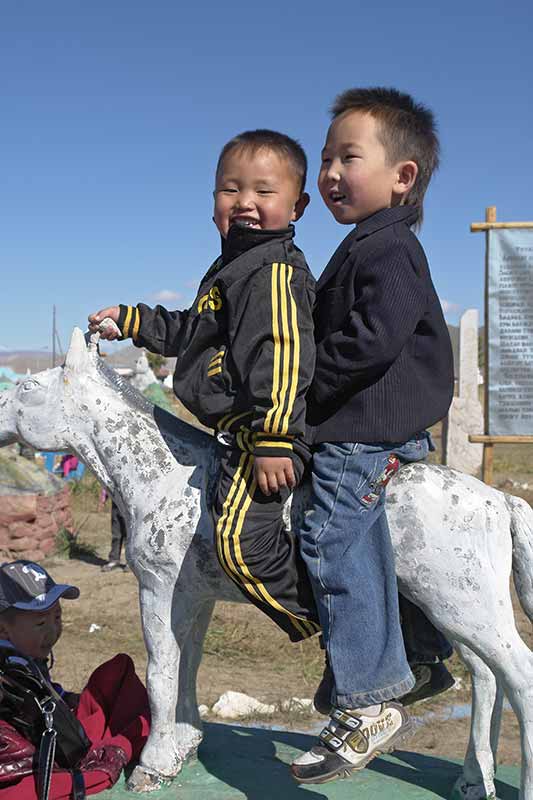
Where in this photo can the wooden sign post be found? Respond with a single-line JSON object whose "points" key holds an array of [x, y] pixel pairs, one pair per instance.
{"points": [[487, 439]]}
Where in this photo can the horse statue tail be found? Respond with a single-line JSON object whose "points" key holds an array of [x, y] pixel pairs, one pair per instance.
{"points": [[522, 536]]}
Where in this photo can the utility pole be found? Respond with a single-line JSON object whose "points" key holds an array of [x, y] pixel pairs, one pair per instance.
{"points": [[54, 337]]}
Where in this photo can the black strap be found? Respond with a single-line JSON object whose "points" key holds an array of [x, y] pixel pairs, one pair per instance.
{"points": [[47, 751], [346, 724], [46, 762], [345, 719], [330, 740], [78, 785]]}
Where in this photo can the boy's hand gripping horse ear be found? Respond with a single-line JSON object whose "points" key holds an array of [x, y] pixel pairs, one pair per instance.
{"points": [[104, 323], [456, 541]]}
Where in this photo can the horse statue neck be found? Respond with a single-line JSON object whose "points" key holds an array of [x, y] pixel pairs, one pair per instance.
{"points": [[136, 449]]}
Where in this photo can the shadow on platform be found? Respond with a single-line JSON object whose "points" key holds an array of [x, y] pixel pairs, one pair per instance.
{"points": [[254, 761], [241, 763]]}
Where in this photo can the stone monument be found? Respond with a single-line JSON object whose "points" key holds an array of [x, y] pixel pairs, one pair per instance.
{"points": [[143, 375], [466, 413]]}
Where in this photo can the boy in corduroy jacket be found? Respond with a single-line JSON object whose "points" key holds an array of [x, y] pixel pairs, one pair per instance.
{"points": [[245, 359], [383, 375]]}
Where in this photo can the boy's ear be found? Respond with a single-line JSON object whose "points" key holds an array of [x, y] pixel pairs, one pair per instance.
{"points": [[407, 172], [300, 206]]}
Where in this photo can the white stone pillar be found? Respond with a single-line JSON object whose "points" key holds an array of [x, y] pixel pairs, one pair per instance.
{"points": [[466, 414]]}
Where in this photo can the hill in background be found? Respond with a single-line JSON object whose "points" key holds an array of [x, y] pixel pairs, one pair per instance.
{"points": [[126, 356]]}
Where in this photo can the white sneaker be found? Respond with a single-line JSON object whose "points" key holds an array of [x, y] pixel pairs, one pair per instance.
{"points": [[350, 741]]}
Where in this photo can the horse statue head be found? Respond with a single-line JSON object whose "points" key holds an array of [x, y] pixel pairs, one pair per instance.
{"points": [[87, 408], [34, 411]]}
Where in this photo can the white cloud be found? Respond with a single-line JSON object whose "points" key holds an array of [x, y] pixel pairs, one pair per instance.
{"points": [[166, 296], [448, 307]]}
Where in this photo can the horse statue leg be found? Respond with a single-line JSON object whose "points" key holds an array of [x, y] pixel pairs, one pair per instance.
{"points": [[477, 781], [488, 630], [512, 664], [187, 708], [174, 634]]}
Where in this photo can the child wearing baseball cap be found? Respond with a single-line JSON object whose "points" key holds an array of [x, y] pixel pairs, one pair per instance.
{"points": [[30, 612], [113, 707]]}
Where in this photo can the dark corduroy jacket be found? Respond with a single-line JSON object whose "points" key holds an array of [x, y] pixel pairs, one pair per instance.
{"points": [[384, 368]]}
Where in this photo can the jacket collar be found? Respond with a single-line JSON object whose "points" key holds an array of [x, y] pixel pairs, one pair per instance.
{"points": [[240, 239], [384, 218], [381, 219]]}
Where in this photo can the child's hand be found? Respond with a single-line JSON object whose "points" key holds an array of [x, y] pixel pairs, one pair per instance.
{"points": [[95, 321], [273, 473]]}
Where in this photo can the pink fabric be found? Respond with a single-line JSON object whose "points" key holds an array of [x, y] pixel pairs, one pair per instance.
{"points": [[114, 711], [69, 463]]}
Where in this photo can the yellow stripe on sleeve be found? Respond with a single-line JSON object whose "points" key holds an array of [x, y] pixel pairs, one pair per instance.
{"points": [[125, 331], [277, 348], [136, 324], [295, 358], [286, 339], [285, 349], [287, 445]]}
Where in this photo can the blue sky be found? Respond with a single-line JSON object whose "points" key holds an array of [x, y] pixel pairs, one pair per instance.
{"points": [[112, 114]]}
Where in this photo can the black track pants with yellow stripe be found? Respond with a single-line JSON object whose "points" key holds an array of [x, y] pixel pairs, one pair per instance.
{"points": [[256, 550]]}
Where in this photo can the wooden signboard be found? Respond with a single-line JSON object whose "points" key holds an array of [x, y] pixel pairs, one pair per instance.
{"points": [[508, 379]]}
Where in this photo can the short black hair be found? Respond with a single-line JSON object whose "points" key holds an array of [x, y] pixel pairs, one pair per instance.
{"points": [[407, 130], [279, 143]]}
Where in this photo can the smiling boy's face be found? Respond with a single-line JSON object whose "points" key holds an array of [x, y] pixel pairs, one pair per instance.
{"points": [[258, 189], [33, 633], [356, 178]]}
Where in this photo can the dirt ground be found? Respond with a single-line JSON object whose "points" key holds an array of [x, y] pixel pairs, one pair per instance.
{"points": [[244, 651]]}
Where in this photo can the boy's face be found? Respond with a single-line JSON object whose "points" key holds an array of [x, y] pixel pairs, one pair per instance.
{"points": [[355, 178], [34, 633], [258, 189]]}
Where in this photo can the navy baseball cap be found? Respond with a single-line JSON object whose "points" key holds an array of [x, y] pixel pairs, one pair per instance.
{"points": [[28, 586]]}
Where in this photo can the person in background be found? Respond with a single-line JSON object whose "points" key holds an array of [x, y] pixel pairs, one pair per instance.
{"points": [[118, 540], [113, 708]]}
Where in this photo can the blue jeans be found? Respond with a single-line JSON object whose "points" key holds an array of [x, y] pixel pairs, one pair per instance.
{"points": [[346, 545]]}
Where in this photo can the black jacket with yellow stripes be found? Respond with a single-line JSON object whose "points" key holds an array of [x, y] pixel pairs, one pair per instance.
{"points": [[245, 349]]}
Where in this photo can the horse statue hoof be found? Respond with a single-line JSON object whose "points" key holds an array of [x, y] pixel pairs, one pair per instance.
{"points": [[144, 780], [192, 755]]}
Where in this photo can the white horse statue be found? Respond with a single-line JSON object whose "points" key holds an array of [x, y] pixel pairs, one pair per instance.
{"points": [[456, 542]]}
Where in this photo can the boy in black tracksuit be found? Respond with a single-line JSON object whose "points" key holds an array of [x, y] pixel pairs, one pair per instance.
{"points": [[245, 359]]}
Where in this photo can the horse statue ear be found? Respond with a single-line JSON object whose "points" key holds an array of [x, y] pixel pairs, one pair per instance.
{"points": [[77, 359]]}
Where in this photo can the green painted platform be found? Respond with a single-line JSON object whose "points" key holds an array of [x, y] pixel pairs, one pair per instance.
{"points": [[241, 763]]}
